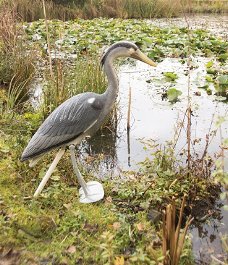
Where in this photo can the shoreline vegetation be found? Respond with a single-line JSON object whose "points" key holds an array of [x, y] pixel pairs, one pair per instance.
{"points": [[87, 9], [143, 212]]}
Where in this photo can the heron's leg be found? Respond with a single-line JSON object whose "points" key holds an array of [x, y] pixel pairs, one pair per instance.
{"points": [[49, 172], [76, 170]]}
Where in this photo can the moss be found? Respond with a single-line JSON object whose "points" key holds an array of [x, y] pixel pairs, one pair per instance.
{"points": [[56, 229]]}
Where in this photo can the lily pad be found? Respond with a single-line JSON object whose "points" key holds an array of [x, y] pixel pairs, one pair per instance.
{"points": [[173, 94], [223, 80], [170, 76], [222, 84], [209, 64]]}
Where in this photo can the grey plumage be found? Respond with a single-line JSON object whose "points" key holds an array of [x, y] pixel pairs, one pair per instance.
{"points": [[64, 124], [82, 114]]}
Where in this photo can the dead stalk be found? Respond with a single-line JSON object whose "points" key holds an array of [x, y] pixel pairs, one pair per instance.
{"points": [[177, 134], [129, 125], [217, 260], [177, 233], [189, 110], [48, 40], [173, 239], [189, 133], [129, 109], [222, 149]]}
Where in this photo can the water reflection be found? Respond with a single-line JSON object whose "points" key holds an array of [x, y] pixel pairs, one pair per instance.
{"points": [[217, 24], [207, 242], [154, 118], [99, 153]]}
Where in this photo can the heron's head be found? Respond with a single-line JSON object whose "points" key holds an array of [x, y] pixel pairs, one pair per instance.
{"points": [[125, 49]]}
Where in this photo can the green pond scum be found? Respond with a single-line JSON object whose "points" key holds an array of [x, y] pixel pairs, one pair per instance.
{"points": [[121, 229]]}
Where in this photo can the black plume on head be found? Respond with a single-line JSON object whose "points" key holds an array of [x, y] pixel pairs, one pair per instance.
{"points": [[124, 44]]}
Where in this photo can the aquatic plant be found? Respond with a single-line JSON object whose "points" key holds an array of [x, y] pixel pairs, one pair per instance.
{"points": [[72, 38], [173, 238]]}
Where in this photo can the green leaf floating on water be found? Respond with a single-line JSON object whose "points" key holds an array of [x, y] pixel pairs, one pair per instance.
{"points": [[223, 80], [212, 71], [173, 94], [209, 64], [171, 76], [209, 78], [222, 84]]}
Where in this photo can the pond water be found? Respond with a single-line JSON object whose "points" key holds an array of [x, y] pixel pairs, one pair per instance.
{"points": [[153, 118], [217, 24]]}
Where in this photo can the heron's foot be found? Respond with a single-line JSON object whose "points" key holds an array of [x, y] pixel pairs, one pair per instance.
{"points": [[95, 192]]}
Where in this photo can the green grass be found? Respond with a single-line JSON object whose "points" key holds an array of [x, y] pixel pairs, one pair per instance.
{"points": [[57, 228]]}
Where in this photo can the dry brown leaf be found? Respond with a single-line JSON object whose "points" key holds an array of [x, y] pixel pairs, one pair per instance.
{"points": [[109, 199], [71, 249], [119, 260], [140, 226], [116, 225], [90, 227], [67, 205], [9, 257]]}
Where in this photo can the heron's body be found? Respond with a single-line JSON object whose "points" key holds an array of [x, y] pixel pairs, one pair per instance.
{"points": [[83, 114], [62, 127], [74, 119]]}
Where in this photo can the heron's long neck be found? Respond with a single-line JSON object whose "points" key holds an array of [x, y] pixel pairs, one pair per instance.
{"points": [[113, 84]]}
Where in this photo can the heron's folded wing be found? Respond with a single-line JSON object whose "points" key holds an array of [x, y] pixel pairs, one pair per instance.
{"points": [[64, 124]]}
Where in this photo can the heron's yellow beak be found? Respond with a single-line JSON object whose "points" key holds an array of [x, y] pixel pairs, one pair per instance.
{"points": [[142, 57]]}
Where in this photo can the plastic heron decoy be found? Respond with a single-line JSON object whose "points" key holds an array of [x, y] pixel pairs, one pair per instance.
{"points": [[78, 117]]}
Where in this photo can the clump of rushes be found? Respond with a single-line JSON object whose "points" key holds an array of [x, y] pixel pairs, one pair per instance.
{"points": [[173, 238], [33, 10], [17, 63]]}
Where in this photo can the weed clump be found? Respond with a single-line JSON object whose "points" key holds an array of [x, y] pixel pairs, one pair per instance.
{"points": [[17, 67]]}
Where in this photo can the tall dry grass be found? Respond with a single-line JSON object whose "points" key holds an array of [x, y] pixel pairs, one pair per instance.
{"points": [[151, 9], [32, 10], [173, 237], [131, 8], [29, 10], [16, 62], [66, 9], [206, 6]]}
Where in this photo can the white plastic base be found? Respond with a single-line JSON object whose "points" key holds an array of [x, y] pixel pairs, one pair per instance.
{"points": [[95, 192]]}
